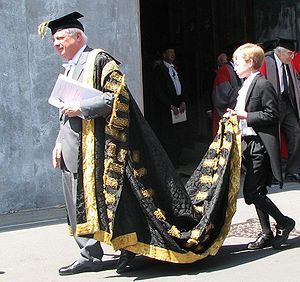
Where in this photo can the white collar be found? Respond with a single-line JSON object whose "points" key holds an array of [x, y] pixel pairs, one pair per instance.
{"points": [[278, 61], [76, 57], [168, 64], [250, 78]]}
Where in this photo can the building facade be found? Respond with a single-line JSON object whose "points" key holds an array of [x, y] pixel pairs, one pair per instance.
{"points": [[133, 32]]}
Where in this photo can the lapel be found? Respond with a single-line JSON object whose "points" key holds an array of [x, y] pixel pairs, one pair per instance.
{"points": [[251, 87], [81, 63]]}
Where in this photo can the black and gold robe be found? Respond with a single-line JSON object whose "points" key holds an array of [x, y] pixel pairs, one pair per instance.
{"points": [[129, 195]]}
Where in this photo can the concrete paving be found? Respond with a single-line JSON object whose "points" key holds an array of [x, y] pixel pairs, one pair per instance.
{"points": [[34, 244]]}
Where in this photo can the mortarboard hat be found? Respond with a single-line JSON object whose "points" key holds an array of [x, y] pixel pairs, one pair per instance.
{"points": [[290, 44], [268, 45], [67, 21]]}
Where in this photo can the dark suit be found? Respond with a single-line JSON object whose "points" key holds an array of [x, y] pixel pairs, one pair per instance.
{"points": [[289, 111], [70, 138], [261, 153], [164, 96]]}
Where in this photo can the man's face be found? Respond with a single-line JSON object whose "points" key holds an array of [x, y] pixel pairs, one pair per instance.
{"points": [[66, 45], [169, 55], [286, 56]]}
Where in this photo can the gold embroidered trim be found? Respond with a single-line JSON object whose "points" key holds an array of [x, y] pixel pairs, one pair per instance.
{"points": [[163, 254], [88, 162], [131, 243], [121, 122], [148, 193], [135, 155], [159, 214], [209, 163], [205, 179], [109, 213], [123, 107], [108, 68], [191, 242], [174, 232], [234, 186], [103, 236], [111, 182], [140, 172], [199, 209], [117, 76], [120, 136], [222, 161], [195, 234], [111, 86], [122, 155], [201, 196], [110, 199], [111, 150], [226, 145], [116, 168], [124, 240]]}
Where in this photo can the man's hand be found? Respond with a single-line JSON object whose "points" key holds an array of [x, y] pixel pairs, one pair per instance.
{"points": [[182, 107], [175, 110], [71, 109], [56, 155], [238, 114]]}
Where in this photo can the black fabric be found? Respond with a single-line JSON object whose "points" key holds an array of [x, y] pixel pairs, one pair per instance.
{"points": [[67, 21], [142, 205]]}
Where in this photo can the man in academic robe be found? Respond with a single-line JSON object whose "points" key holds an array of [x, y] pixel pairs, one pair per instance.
{"points": [[277, 68]]}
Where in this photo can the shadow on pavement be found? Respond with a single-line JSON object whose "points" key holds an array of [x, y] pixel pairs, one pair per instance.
{"points": [[229, 256]]}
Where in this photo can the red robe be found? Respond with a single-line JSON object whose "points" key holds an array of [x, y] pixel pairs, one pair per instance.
{"points": [[284, 150]]}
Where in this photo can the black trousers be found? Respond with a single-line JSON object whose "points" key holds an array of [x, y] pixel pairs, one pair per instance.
{"points": [[258, 176], [90, 250], [291, 130]]}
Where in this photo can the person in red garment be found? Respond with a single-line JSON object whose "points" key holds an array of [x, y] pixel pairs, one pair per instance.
{"points": [[225, 90]]}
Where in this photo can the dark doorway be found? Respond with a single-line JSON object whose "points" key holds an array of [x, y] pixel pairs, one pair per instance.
{"points": [[199, 30]]}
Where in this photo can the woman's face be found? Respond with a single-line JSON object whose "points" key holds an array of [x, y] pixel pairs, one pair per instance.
{"points": [[242, 67]]}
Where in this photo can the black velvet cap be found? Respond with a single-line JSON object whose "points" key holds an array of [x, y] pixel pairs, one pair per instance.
{"points": [[268, 45], [67, 21], [290, 44]]}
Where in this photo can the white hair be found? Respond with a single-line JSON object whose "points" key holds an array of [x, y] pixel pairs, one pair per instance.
{"points": [[279, 50], [74, 30]]}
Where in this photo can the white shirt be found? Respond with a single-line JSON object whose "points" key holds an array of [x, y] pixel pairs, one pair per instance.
{"points": [[241, 103], [174, 76], [70, 66], [279, 65]]}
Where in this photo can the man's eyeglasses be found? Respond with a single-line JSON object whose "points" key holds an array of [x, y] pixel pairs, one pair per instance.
{"points": [[290, 54]]}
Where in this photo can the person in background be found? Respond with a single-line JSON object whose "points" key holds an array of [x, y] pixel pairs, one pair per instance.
{"points": [[169, 96], [277, 68], [225, 90], [222, 59], [257, 110]]}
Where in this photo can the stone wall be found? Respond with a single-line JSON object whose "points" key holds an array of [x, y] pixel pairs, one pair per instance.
{"points": [[29, 68]]}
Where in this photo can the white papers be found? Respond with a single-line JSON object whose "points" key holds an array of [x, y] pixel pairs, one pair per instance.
{"points": [[67, 89], [180, 117]]}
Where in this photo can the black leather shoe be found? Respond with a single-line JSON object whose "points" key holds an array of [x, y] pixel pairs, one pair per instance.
{"points": [[262, 241], [283, 232], [125, 258], [292, 177], [79, 267]]}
